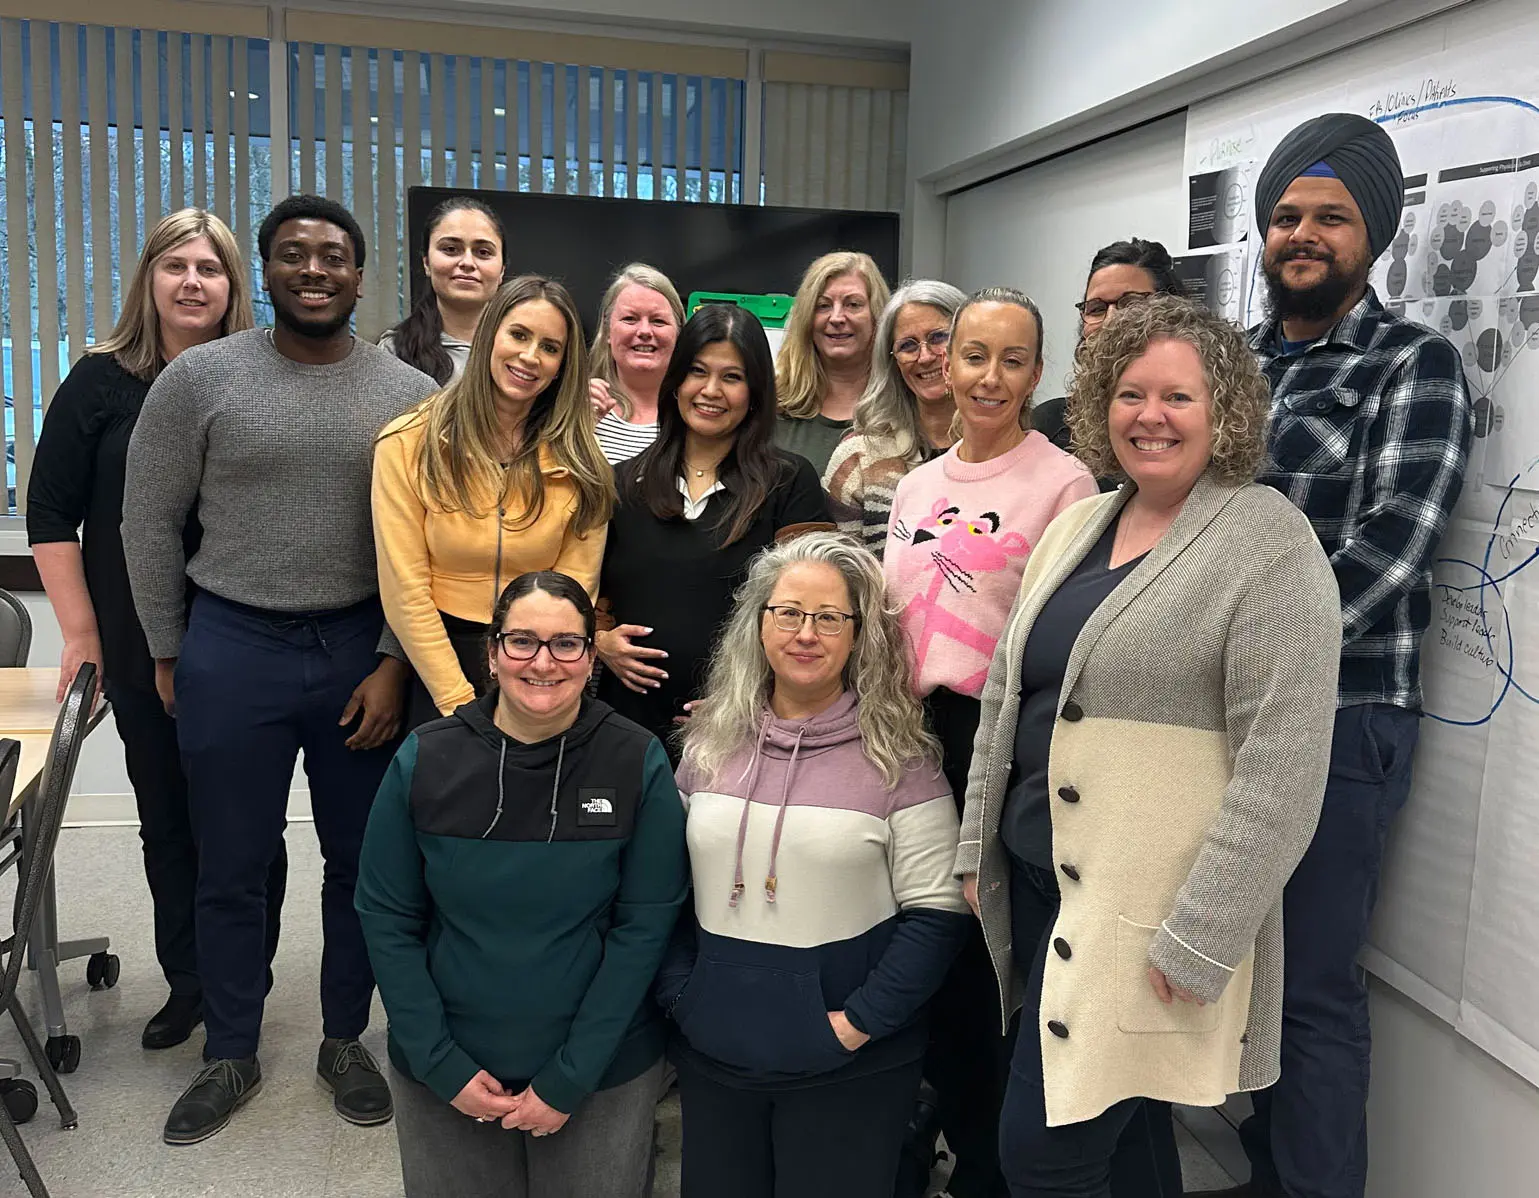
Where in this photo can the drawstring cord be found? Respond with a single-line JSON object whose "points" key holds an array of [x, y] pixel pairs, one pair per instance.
{"points": [[780, 817], [555, 788], [502, 758], [751, 772]]}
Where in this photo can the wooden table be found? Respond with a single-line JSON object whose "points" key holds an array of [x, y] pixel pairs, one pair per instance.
{"points": [[28, 700], [34, 753]]}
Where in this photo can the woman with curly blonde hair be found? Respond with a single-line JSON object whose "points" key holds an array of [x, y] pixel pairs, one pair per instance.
{"points": [[824, 362], [800, 999], [1151, 758]]}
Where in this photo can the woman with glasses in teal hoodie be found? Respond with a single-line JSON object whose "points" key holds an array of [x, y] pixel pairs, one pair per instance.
{"points": [[522, 871]]}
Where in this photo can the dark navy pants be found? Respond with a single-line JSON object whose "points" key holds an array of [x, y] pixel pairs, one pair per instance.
{"points": [[254, 689], [1309, 1134]]}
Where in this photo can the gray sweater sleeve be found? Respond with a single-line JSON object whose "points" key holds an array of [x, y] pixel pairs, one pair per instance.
{"points": [[1281, 659], [165, 457]]}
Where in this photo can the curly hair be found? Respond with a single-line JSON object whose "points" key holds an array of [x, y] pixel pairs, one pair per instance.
{"points": [[1241, 397], [892, 727]]}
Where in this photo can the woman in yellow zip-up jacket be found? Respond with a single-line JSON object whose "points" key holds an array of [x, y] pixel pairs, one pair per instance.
{"points": [[494, 476]]}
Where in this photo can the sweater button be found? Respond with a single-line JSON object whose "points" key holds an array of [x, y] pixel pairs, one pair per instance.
{"points": [[1070, 872], [1072, 712], [1068, 794], [1061, 947], [1058, 1029]]}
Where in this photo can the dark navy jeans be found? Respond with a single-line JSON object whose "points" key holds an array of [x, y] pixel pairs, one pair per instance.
{"points": [[1309, 1134], [254, 689]]}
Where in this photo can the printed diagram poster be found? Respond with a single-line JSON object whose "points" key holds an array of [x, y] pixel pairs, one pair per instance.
{"points": [[1216, 280], [1219, 207]]}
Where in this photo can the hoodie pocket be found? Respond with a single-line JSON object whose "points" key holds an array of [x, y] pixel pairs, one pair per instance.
{"points": [[758, 1019]]}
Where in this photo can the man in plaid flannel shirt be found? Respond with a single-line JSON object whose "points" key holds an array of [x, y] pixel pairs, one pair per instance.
{"points": [[1370, 432]]}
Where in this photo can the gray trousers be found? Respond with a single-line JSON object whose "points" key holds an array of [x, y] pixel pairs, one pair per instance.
{"points": [[604, 1151]]}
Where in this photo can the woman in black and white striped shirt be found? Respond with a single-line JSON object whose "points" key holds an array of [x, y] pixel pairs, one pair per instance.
{"points": [[638, 324]]}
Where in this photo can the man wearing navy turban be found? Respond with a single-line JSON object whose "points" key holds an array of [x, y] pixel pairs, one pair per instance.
{"points": [[1370, 431]]}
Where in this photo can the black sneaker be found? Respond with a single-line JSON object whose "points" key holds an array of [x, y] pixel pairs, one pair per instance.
{"points": [[351, 1073], [173, 1023], [220, 1089]]}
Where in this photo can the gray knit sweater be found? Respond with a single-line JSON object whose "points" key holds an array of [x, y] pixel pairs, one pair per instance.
{"points": [[275, 458]]}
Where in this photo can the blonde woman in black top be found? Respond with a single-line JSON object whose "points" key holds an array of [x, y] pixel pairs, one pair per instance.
{"points": [[190, 287]]}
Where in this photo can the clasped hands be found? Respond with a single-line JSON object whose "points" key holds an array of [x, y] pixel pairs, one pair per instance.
{"points": [[485, 1099]]}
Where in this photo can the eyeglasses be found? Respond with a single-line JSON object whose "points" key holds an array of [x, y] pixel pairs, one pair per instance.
{"points": [[1094, 309], [792, 619], [525, 646], [908, 349]]}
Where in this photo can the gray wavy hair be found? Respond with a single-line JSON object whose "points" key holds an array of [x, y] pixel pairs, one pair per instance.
{"points": [[892, 728], [889, 409]]}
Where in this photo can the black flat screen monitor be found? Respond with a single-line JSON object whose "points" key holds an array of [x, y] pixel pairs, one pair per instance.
{"points": [[583, 240]]}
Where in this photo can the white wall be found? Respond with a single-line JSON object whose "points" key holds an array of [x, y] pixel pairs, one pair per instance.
{"points": [[1037, 229]]}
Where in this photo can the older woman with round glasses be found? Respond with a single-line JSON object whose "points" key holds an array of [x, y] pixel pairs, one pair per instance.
{"points": [[905, 416], [821, 836], [527, 1054], [1151, 757]]}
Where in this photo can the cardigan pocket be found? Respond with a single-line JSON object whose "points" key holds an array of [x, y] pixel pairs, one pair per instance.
{"points": [[1138, 1009]]}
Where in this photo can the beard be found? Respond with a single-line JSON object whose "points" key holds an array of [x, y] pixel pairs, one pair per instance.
{"points": [[319, 330], [1319, 301]]}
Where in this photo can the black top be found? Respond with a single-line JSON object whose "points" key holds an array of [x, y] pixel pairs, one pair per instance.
{"points": [[1025, 825], [671, 576], [77, 479]]}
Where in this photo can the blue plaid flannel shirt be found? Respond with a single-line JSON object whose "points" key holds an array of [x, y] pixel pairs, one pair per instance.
{"points": [[1370, 432]]}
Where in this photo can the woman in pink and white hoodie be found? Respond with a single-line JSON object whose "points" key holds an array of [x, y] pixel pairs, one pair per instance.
{"points": [[962, 528]]}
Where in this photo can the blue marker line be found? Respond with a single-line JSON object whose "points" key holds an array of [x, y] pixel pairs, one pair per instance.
{"points": [[1513, 100]]}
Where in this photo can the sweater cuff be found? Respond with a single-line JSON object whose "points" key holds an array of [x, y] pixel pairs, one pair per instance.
{"points": [[390, 645], [557, 1090], [1184, 966], [449, 1076], [969, 857], [165, 641]]}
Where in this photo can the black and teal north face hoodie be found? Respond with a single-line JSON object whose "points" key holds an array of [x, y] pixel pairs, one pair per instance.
{"points": [[517, 899]]}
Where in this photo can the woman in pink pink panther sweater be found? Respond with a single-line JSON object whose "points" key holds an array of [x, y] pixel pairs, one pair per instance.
{"points": [[962, 528]]}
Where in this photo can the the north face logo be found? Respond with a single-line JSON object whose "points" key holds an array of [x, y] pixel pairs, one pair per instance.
{"points": [[598, 807]]}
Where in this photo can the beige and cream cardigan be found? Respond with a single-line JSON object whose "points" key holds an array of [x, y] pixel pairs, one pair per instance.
{"points": [[1186, 774]]}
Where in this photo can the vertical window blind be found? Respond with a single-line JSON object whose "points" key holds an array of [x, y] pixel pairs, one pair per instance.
{"points": [[105, 129]]}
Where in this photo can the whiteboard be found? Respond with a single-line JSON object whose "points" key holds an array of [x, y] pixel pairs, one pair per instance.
{"points": [[1457, 926]]}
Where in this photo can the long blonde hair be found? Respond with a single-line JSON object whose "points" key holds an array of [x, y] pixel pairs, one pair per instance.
{"points": [[601, 364], [892, 729], [135, 340], [799, 376], [889, 409], [460, 465]]}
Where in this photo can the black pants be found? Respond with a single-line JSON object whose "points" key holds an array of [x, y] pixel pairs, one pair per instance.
{"points": [[254, 689], [1128, 1150], [165, 831], [837, 1140], [468, 640]]}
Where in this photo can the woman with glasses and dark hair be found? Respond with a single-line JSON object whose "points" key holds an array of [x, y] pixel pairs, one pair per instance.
{"points": [[825, 911], [522, 871], [1121, 273], [905, 416], [693, 509]]}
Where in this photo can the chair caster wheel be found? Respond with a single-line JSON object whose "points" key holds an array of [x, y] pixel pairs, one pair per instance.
{"points": [[63, 1053]]}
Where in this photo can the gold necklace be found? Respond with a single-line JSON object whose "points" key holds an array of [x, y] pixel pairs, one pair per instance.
{"points": [[698, 472]]}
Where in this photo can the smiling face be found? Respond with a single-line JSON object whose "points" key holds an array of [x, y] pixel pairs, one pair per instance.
{"points": [[1109, 285], [992, 366], [1316, 256], [312, 277], [529, 350], [713, 399], [842, 325], [922, 365], [1161, 419], [541, 690], [191, 291], [642, 332], [808, 667], [464, 259]]}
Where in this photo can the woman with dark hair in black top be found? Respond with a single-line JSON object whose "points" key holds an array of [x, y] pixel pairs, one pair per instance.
{"points": [[694, 509]]}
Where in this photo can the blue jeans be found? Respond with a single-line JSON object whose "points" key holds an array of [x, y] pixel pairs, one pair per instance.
{"points": [[1309, 1135], [1127, 1151], [253, 689]]}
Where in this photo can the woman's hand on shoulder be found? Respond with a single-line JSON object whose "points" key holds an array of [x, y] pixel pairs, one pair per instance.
{"points": [[601, 398], [628, 660]]}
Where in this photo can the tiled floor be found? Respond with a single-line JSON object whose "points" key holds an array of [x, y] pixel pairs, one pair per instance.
{"points": [[287, 1143]]}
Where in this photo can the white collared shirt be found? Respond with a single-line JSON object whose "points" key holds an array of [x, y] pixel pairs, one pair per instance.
{"points": [[694, 507]]}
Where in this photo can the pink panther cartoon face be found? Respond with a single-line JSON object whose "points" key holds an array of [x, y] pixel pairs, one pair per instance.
{"points": [[970, 544]]}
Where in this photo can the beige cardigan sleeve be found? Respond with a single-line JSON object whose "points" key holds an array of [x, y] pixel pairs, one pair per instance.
{"points": [[1281, 659]]}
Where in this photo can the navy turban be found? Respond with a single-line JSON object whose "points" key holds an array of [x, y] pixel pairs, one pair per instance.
{"points": [[1358, 152]]}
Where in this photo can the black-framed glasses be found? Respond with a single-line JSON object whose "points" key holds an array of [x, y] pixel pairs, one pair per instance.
{"points": [[908, 349], [1094, 309], [792, 619], [525, 646]]}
